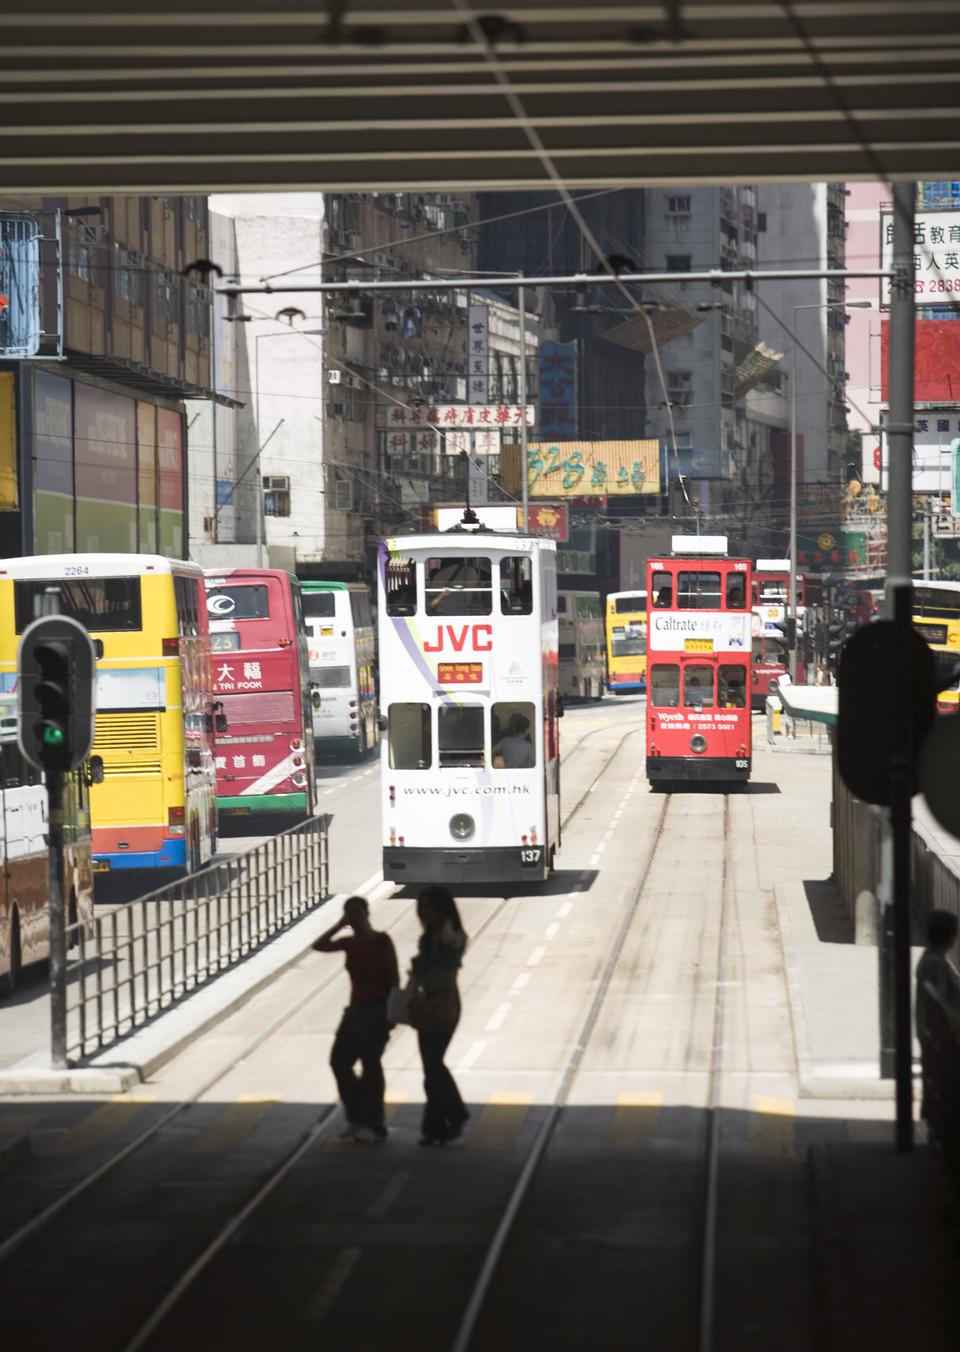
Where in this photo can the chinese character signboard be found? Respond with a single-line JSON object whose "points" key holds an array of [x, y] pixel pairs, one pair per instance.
{"points": [[936, 255], [478, 353], [577, 469], [454, 415], [558, 390], [549, 519]]}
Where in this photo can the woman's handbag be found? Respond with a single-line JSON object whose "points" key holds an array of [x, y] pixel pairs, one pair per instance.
{"points": [[399, 1001], [434, 1013]]}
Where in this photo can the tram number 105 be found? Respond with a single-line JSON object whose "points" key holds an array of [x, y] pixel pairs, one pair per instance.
{"points": [[531, 855], [743, 764]]}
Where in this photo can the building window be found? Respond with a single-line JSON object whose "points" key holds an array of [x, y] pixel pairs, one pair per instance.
{"points": [[276, 495], [680, 388], [679, 205], [678, 262]]}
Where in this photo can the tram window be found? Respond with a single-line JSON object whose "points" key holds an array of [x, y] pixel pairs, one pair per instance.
{"points": [[516, 586], [662, 591], [458, 586], [401, 579], [732, 687], [511, 735], [409, 735], [698, 687], [698, 591], [736, 591], [460, 735], [665, 686]]}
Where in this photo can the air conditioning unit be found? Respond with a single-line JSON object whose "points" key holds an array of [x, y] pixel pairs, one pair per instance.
{"points": [[336, 410], [334, 376], [276, 483]]}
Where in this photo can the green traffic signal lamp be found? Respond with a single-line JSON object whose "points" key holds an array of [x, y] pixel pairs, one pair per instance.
{"points": [[51, 734]]}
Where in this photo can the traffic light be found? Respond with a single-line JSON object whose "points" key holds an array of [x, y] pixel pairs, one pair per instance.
{"points": [[837, 631], [790, 633], [56, 672]]}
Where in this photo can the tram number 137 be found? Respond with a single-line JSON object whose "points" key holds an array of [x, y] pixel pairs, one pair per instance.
{"points": [[531, 856]]}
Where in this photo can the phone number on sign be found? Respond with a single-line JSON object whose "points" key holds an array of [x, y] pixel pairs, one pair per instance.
{"points": [[928, 285]]}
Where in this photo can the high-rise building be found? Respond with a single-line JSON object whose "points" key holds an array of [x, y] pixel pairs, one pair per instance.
{"points": [[104, 331]]}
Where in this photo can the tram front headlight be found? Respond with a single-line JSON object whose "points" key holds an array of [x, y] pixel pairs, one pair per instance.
{"points": [[698, 743], [462, 826]]}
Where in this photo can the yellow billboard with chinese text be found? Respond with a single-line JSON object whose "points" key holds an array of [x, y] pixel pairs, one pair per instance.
{"points": [[584, 469]]}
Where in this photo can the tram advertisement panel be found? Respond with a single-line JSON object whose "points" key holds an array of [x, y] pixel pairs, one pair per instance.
{"points": [[706, 632]]}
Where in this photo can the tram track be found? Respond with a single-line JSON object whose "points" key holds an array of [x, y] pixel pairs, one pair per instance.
{"points": [[706, 1198], [12, 1242]]}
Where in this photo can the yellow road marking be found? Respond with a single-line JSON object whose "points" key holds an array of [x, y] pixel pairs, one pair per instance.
{"points": [[99, 1125], [230, 1126], [500, 1121], [773, 1127], [635, 1121]]}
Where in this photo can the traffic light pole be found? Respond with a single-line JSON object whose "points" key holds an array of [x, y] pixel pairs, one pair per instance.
{"points": [[899, 598], [57, 920]]}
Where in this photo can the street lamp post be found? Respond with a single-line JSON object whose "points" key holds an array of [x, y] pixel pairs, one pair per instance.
{"points": [[792, 590]]}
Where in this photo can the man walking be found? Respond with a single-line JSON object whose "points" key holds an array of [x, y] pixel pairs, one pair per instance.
{"points": [[363, 1032]]}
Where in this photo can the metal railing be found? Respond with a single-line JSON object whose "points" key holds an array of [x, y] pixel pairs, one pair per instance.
{"points": [[940, 1049], [128, 964]]}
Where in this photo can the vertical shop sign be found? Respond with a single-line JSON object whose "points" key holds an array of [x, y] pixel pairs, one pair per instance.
{"points": [[558, 390], [478, 354]]}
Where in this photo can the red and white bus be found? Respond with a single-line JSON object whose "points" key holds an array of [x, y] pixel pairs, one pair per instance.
{"points": [[698, 673], [264, 759]]}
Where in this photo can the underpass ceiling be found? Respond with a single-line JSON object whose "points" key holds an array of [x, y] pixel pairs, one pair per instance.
{"points": [[233, 95]]}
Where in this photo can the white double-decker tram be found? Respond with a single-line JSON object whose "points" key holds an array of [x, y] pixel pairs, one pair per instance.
{"points": [[468, 698]]}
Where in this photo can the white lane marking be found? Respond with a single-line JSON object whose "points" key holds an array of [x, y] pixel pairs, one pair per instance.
{"points": [[385, 1199], [608, 835], [496, 1019], [550, 932], [565, 909], [520, 982], [535, 956], [595, 859], [333, 1283], [618, 814], [473, 1055], [601, 847]]}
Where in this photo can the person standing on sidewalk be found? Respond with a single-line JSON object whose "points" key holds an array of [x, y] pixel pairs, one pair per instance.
{"points": [[363, 1031], [435, 968]]}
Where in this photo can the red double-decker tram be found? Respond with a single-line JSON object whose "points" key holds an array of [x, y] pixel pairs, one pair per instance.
{"points": [[698, 664]]}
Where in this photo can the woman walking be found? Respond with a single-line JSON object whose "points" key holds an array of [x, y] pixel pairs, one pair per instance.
{"points": [[435, 968]]}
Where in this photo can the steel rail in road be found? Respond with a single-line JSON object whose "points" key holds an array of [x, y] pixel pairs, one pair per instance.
{"points": [[494, 1253], [708, 1258]]}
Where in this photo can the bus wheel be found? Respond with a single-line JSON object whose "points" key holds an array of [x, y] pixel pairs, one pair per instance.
{"points": [[362, 743], [8, 982]]}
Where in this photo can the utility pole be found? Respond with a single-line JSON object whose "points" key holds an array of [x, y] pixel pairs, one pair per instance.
{"points": [[524, 474], [899, 598]]}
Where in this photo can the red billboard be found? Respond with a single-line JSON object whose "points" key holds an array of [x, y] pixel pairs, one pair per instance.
{"points": [[549, 519], [936, 363]]}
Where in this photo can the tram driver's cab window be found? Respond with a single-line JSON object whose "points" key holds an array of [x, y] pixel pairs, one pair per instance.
{"points": [[512, 727], [401, 577], [408, 733], [664, 683], [732, 687], [662, 591], [516, 586], [698, 687], [460, 735], [736, 591], [458, 586]]}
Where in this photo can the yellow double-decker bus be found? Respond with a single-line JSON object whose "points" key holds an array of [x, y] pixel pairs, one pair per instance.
{"points": [[936, 617], [626, 642], [155, 811]]}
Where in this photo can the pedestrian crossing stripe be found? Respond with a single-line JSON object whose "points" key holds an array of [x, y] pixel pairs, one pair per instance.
{"points": [[773, 1126], [500, 1121], [635, 1120], [231, 1125], [97, 1127]]}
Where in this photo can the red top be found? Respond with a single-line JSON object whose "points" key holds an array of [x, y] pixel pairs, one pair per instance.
{"points": [[370, 965]]}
